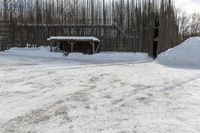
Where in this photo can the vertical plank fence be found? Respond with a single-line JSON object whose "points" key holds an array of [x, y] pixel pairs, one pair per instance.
{"points": [[112, 37], [4, 35]]}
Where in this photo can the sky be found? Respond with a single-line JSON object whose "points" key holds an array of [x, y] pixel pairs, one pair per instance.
{"points": [[189, 6]]}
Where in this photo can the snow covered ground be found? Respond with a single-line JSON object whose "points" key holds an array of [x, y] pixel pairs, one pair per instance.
{"points": [[117, 93]]}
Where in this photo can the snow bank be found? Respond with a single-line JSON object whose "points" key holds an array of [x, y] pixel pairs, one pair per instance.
{"points": [[187, 53], [44, 52]]}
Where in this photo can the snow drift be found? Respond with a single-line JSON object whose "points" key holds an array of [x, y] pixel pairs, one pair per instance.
{"points": [[104, 57], [187, 53]]}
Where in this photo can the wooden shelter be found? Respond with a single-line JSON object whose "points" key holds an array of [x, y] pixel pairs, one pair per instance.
{"points": [[69, 44]]}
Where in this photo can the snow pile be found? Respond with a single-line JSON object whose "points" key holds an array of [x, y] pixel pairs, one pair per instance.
{"points": [[104, 57], [187, 53]]}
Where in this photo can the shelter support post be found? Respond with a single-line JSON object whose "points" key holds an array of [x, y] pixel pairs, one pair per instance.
{"points": [[51, 47], [72, 48], [72, 45], [93, 46], [97, 49]]}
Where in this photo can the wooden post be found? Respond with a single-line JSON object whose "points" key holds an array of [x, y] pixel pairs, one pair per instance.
{"points": [[97, 49], [156, 35], [155, 47], [93, 46], [72, 47], [51, 49]]}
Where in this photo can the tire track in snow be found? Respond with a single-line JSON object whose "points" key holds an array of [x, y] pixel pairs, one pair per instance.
{"points": [[181, 83], [59, 109]]}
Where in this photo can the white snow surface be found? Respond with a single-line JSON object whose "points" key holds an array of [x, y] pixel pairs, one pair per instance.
{"points": [[85, 38], [103, 57], [187, 53], [47, 93]]}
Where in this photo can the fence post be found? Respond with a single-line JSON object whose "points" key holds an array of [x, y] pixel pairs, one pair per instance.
{"points": [[156, 36]]}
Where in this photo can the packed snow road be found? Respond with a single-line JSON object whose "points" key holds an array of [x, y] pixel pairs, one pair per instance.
{"points": [[64, 96]]}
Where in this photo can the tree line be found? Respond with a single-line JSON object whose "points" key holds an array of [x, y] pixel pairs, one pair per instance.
{"points": [[121, 12], [189, 24]]}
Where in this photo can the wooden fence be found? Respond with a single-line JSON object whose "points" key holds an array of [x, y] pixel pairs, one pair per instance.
{"points": [[4, 35], [113, 38]]}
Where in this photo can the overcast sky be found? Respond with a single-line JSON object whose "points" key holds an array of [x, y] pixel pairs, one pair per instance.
{"points": [[188, 5]]}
